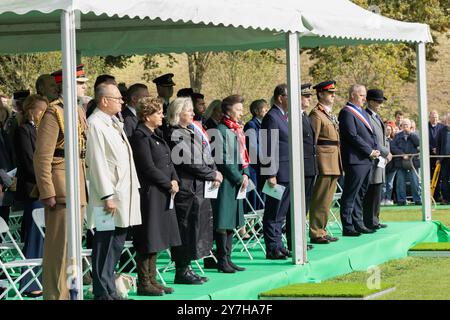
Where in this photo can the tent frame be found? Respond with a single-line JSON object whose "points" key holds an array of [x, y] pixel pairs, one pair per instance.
{"points": [[298, 214]]}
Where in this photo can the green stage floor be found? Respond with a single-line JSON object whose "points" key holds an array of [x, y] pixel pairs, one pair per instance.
{"points": [[325, 261]]}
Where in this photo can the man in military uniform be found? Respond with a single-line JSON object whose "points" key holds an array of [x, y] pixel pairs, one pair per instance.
{"points": [[49, 168], [326, 129], [164, 86]]}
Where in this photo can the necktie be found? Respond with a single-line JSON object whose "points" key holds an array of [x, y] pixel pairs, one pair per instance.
{"points": [[117, 127]]}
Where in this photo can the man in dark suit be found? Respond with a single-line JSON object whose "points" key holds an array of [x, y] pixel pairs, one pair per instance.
{"points": [[275, 123], [134, 94], [309, 154], [258, 109], [444, 149], [359, 149], [372, 199], [434, 129]]}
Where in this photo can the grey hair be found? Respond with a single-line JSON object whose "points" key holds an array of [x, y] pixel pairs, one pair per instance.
{"points": [[176, 107], [406, 120], [353, 88], [100, 91]]}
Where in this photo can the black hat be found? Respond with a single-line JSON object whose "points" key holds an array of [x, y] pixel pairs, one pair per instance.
{"points": [[185, 92], [329, 86], [21, 94], [376, 95], [165, 80], [306, 89]]}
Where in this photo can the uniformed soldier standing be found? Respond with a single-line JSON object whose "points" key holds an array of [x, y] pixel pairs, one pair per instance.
{"points": [[326, 129], [49, 166]]}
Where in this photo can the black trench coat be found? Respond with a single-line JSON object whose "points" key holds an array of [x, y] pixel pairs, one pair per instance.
{"points": [[159, 228], [194, 212]]}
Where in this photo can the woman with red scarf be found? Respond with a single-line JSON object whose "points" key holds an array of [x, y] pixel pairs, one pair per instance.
{"points": [[233, 163]]}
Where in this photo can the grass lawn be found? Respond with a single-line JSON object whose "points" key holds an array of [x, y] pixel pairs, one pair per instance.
{"points": [[414, 278]]}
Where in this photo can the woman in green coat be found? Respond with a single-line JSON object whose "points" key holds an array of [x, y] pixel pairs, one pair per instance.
{"points": [[233, 163]]}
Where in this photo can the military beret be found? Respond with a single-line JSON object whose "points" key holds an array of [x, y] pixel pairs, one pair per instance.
{"points": [[165, 80], [329, 86]]}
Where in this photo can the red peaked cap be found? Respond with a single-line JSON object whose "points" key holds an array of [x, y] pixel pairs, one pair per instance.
{"points": [[81, 75]]}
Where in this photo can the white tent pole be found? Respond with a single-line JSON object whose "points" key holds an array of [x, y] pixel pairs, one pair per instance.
{"points": [[297, 179], [424, 142], [71, 150]]}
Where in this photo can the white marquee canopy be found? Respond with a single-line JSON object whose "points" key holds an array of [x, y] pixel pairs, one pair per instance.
{"points": [[113, 27], [142, 26]]}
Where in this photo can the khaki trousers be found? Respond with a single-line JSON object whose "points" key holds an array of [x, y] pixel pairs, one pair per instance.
{"points": [[323, 193], [55, 261]]}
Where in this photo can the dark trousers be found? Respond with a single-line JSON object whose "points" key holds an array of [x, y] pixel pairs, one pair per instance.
{"points": [[274, 216], [445, 180], [371, 205], [33, 247], [355, 186], [309, 187], [4, 213], [107, 247]]}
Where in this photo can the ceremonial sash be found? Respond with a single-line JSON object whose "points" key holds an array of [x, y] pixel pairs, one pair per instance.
{"points": [[359, 115], [205, 139]]}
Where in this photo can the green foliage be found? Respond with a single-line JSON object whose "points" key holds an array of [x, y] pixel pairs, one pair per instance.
{"points": [[252, 74], [152, 63], [387, 66], [21, 71], [431, 246], [373, 65]]}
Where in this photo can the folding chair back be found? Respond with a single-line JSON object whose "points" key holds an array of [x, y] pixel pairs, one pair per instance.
{"points": [[17, 262], [39, 219]]}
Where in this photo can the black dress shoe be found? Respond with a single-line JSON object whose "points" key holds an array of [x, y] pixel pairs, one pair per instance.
{"points": [[184, 276], [309, 247], [286, 252], [275, 255], [365, 230], [350, 233], [331, 239], [320, 240], [382, 226], [31, 294], [203, 279], [418, 203]]}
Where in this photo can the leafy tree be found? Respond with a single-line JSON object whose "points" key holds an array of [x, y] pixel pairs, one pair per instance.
{"points": [[387, 66]]}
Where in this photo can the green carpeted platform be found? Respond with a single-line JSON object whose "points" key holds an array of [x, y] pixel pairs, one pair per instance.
{"points": [[325, 261]]}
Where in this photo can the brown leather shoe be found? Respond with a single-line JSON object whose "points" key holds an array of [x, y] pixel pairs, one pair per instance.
{"points": [[320, 240]]}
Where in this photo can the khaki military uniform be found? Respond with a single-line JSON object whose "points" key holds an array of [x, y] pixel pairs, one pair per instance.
{"points": [[329, 162], [49, 167]]}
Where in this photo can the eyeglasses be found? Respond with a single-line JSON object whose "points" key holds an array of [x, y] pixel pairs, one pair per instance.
{"points": [[115, 98]]}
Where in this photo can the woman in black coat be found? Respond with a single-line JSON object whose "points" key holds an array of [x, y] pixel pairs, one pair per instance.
{"points": [[159, 184], [25, 144], [194, 166]]}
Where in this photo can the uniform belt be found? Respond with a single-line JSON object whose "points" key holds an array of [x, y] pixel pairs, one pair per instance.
{"points": [[327, 143], [60, 153]]}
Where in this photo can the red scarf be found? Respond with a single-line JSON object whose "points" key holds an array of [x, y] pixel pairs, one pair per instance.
{"points": [[237, 130]]}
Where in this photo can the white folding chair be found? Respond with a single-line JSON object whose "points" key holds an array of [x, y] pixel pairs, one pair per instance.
{"points": [[252, 226], [334, 209], [15, 224], [8, 267], [39, 219]]}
